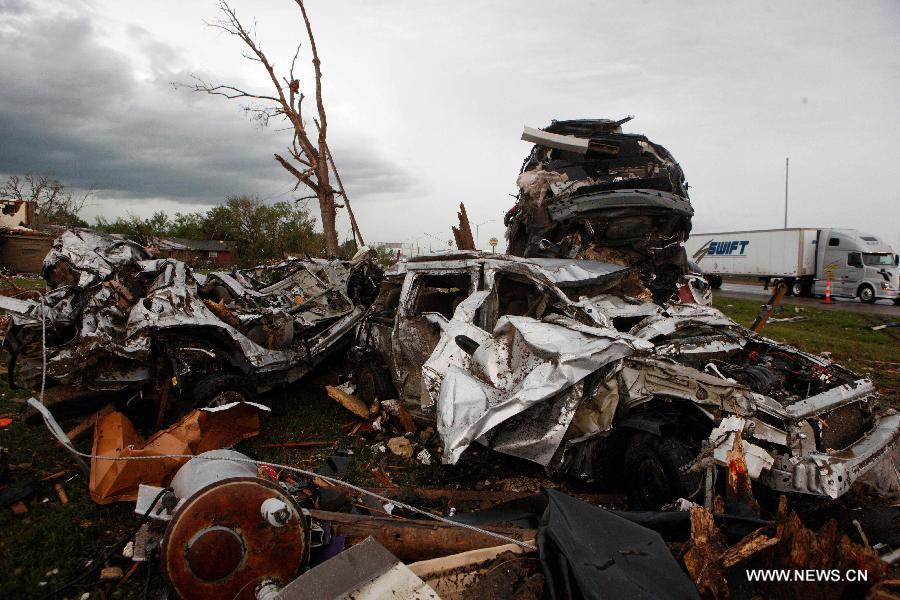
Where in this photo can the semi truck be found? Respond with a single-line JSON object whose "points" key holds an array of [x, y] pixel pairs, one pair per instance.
{"points": [[857, 264]]}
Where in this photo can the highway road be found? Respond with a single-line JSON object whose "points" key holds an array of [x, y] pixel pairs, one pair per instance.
{"points": [[882, 308]]}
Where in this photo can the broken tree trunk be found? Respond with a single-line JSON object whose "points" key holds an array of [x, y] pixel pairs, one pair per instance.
{"points": [[747, 547], [800, 548], [463, 234], [702, 556], [415, 540]]}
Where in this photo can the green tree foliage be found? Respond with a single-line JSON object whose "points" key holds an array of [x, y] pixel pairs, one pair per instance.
{"points": [[258, 231], [386, 256], [262, 231]]}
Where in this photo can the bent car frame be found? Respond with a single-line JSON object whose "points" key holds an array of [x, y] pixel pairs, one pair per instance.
{"points": [[567, 363]]}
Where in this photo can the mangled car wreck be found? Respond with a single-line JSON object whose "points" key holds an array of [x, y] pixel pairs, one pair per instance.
{"points": [[552, 360], [589, 191], [117, 320]]}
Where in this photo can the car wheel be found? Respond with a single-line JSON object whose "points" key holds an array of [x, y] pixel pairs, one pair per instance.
{"points": [[221, 389], [655, 471], [372, 381], [897, 301], [866, 294]]}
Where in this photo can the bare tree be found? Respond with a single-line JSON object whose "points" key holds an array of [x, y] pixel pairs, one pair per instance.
{"points": [[54, 204], [308, 156]]}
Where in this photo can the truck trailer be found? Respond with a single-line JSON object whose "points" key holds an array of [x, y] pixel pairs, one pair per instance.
{"points": [[858, 264]]}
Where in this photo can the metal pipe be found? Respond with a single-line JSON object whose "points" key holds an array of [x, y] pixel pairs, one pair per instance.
{"points": [[787, 164]]}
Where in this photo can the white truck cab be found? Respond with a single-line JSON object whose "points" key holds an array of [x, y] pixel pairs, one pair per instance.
{"points": [[858, 264]]}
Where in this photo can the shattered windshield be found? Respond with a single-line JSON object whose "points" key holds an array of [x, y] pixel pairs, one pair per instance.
{"points": [[878, 260]]}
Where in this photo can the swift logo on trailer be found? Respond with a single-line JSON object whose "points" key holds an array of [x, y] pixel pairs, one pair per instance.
{"points": [[724, 248]]}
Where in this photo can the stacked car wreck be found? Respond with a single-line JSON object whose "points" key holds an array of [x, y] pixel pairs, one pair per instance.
{"points": [[603, 362], [589, 191]]}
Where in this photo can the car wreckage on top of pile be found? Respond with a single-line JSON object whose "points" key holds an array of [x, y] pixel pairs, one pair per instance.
{"points": [[117, 320]]}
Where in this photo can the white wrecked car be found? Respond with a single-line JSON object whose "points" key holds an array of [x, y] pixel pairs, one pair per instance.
{"points": [[121, 323], [568, 364]]}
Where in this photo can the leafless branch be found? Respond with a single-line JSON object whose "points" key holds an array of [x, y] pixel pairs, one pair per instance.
{"points": [[284, 101]]}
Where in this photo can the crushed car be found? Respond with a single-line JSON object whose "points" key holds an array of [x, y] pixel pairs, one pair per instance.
{"points": [[587, 190], [117, 320], [566, 363]]}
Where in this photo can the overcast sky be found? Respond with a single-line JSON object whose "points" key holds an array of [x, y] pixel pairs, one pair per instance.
{"points": [[427, 101]]}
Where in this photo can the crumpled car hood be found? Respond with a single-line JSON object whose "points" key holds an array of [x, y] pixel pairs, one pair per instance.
{"points": [[523, 363]]}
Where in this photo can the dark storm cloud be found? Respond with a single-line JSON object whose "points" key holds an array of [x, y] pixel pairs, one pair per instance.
{"points": [[75, 108], [13, 7]]}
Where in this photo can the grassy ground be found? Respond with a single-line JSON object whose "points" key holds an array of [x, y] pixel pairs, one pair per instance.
{"points": [[53, 543], [847, 336]]}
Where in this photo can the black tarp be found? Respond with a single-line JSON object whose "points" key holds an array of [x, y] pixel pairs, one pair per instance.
{"points": [[590, 553]]}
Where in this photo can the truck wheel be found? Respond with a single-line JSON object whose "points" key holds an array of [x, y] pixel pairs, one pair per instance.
{"points": [[372, 381], [798, 288], [654, 471], [715, 281], [221, 389], [866, 294]]}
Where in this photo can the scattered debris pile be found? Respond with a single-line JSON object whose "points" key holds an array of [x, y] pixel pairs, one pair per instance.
{"points": [[117, 320], [229, 527], [589, 191]]}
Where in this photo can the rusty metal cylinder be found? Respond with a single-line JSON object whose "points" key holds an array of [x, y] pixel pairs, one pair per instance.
{"points": [[233, 533]]}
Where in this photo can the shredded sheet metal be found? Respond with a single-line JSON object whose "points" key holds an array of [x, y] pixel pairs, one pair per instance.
{"points": [[118, 302], [523, 363]]}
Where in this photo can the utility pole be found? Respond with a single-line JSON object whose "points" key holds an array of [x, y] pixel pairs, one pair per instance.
{"points": [[787, 165]]}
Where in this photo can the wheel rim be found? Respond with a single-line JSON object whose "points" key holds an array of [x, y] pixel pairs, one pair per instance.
{"points": [[866, 294], [797, 289]]}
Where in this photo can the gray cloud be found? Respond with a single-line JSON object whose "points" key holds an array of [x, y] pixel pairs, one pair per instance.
{"points": [[13, 7], [71, 106]]}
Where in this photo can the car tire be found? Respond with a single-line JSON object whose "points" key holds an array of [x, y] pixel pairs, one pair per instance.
{"points": [[897, 301], [372, 381], [220, 389], [866, 294], [655, 471]]}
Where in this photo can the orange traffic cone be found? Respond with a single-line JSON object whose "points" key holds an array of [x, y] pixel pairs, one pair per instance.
{"points": [[828, 291]]}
